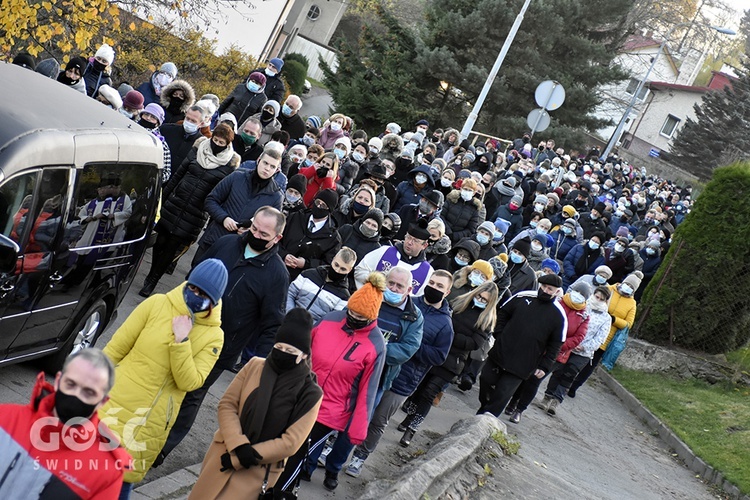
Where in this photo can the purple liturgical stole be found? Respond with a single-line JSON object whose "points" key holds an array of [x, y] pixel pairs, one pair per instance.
{"points": [[419, 272]]}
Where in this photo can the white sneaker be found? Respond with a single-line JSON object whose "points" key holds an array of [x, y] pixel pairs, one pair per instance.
{"points": [[322, 458], [354, 468]]}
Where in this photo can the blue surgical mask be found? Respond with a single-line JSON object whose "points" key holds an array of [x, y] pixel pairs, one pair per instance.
{"points": [[339, 153], [517, 259], [650, 251], [476, 278], [478, 304], [482, 239], [533, 223], [626, 290], [593, 245], [308, 162], [308, 141], [292, 198], [541, 230], [268, 72], [195, 303], [392, 297], [460, 262], [286, 110], [189, 128], [577, 298], [600, 279], [358, 157], [252, 87], [567, 230]]}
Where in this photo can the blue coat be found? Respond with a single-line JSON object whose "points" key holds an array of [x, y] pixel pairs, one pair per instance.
{"points": [[569, 264], [233, 197], [436, 343], [148, 92], [406, 193], [651, 264], [398, 353], [562, 245]]}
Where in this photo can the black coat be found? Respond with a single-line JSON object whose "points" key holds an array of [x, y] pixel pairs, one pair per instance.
{"points": [[352, 237], [591, 226], [182, 212], [294, 125], [529, 334], [461, 217], [274, 88], [466, 338], [242, 103], [178, 141], [318, 248]]}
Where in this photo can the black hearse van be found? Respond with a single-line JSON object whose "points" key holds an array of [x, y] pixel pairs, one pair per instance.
{"points": [[79, 188]]}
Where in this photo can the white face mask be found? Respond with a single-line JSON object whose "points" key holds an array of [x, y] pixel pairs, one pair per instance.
{"points": [[420, 178], [445, 182], [466, 194], [577, 297], [335, 126]]}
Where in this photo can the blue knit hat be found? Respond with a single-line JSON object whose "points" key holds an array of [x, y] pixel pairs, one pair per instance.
{"points": [[315, 121], [211, 277], [552, 264], [502, 225], [278, 63]]}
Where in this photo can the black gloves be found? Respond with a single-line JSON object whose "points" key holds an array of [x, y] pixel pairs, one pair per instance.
{"points": [[226, 462], [247, 455]]}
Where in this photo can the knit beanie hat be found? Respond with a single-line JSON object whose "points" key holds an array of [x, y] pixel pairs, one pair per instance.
{"points": [[551, 264], [123, 89], [49, 68], [633, 280], [211, 277], [484, 267], [523, 246], [258, 77], [170, 69], [156, 111], [344, 141], [554, 197], [375, 214], [442, 246], [376, 143], [111, 95], [582, 288], [298, 182], [133, 100], [622, 232], [107, 53], [314, 121], [273, 104], [330, 198], [229, 117], [295, 329], [366, 301], [604, 271], [499, 266], [517, 200], [25, 60], [569, 210], [79, 63], [278, 63], [487, 226], [541, 199], [502, 225]]}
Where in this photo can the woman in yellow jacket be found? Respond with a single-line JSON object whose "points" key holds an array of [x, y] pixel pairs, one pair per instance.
{"points": [[165, 348], [622, 308]]}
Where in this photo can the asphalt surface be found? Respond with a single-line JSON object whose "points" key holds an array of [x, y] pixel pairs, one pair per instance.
{"points": [[317, 102], [595, 448]]}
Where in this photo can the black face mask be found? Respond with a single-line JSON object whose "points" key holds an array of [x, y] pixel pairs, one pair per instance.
{"points": [[63, 78], [266, 116], [99, 66], [624, 218], [544, 296], [147, 124], [216, 149], [69, 407], [318, 213], [334, 275], [281, 361], [403, 163], [356, 324], [387, 233], [579, 203], [322, 172], [256, 244], [432, 295]]}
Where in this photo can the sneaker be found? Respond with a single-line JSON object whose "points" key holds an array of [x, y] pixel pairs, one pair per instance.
{"points": [[331, 482], [552, 410], [322, 458], [516, 417], [510, 409], [407, 437], [572, 392], [544, 403], [354, 468]]}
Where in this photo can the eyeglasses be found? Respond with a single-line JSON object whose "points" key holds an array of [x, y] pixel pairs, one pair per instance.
{"points": [[321, 204], [483, 299], [414, 240]]}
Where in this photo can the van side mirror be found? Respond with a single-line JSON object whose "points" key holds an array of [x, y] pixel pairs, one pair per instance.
{"points": [[9, 250]]}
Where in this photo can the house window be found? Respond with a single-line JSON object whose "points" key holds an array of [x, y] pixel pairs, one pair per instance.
{"points": [[314, 13], [632, 85], [670, 125]]}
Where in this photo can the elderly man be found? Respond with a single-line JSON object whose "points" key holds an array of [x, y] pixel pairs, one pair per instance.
{"points": [[180, 138], [290, 119], [31, 465]]}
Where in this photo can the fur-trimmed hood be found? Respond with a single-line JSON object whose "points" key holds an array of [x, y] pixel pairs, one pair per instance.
{"points": [[166, 94], [455, 195]]}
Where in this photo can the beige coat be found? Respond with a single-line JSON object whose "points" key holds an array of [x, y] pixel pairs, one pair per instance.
{"points": [[246, 483]]}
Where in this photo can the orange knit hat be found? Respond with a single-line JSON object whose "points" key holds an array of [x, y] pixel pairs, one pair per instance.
{"points": [[366, 301]]}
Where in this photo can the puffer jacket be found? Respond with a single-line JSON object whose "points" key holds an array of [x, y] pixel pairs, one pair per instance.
{"points": [[592, 260], [622, 309], [352, 237], [578, 323], [147, 90], [268, 129], [233, 197], [513, 216], [312, 285], [461, 217], [437, 338], [173, 114], [599, 324], [562, 245], [154, 372], [466, 338], [406, 193], [242, 103], [348, 365], [182, 212], [348, 171], [400, 351]]}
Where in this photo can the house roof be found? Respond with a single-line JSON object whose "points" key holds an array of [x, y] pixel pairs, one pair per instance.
{"points": [[674, 86], [636, 42]]}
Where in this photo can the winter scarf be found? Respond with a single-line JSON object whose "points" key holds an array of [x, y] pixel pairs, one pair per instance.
{"points": [[206, 158], [571, 304]]}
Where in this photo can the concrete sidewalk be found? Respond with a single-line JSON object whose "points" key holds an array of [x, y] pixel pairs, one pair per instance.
{"points": [[595, 448]]}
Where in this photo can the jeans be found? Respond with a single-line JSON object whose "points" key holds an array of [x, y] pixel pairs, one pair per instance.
{"points": [[125, 491], [419, 404]]}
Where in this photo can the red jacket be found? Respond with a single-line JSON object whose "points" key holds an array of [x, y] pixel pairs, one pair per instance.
{"points": [[42, 458], [578, 323], [348, 366]]}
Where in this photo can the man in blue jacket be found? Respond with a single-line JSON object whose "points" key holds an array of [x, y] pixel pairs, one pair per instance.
{"points": [[401, 323], [235, 199], [436, 343]]}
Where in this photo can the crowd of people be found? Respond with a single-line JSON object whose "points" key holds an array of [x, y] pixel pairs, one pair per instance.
{"points": [[345, 276]]}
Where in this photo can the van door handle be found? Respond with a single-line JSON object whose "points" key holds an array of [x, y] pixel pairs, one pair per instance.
{"points": [[7, 287], [56, 277]]}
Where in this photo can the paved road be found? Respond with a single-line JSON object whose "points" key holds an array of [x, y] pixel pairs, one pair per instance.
{"points": [[317, 102], [594, 449]]}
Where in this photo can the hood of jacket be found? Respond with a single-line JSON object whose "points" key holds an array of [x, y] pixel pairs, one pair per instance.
{"points": [[166, 94], [470, 246], [424, 169]]}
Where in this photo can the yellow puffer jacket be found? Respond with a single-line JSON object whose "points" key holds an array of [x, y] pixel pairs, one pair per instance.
{"points": [[153, 373], [623, 310]]}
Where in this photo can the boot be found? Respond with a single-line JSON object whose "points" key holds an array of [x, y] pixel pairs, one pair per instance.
{"points": [[511, 408], [545, 402], [465, 383], [436, 401], [516, 417], [405, 423], [148, 287], [552, 409], [331, 482], [572, 392], [407, 437]]}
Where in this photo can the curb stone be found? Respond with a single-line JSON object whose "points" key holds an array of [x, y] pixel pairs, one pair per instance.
{"points": [[425, 477], [682, 450], [176, 485]]}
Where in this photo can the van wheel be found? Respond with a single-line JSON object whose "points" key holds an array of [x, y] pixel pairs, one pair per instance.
{"points": [[84, 335]]}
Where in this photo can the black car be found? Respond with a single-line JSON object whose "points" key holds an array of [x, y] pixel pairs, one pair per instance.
{"points": [[79, 189]]}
